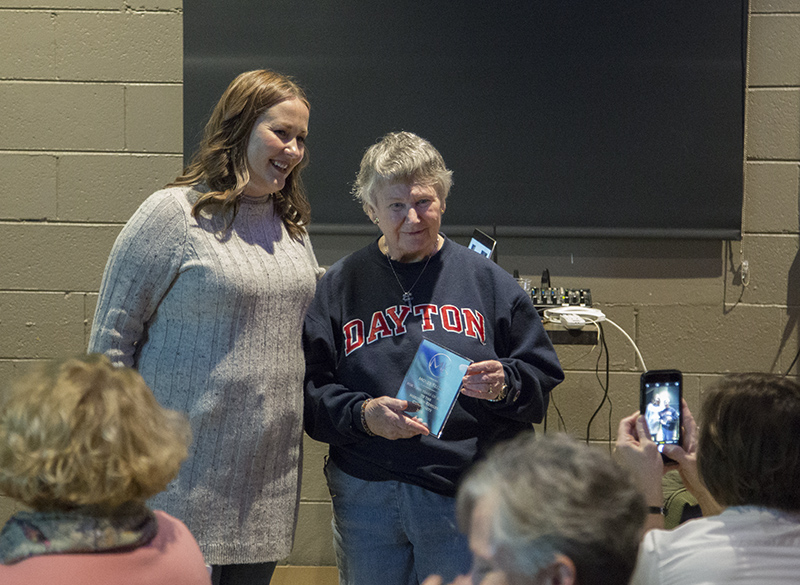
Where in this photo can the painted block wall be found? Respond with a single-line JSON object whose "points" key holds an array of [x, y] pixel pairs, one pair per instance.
{"points": [[91, 103]]}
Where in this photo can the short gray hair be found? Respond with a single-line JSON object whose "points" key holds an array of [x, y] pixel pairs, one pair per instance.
{"points": [[401, 157], [554, 495]]}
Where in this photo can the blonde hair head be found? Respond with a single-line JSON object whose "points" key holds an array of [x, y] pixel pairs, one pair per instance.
{"points": [[81, 432]]}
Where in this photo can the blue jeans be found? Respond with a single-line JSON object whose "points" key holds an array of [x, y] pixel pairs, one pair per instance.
{"points": [[393, 533]]}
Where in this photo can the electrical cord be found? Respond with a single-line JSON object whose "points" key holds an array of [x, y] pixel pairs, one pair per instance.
{"points": [[596, 318], [794, 361], [561, 422], [603, 386], [590, 315]]}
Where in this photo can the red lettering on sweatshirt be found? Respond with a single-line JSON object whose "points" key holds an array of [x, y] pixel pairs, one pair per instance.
{"points": [[392, 322], [451, 318], [353, 335], [474, 325], [378, 327], [425, 311], [398, 315]]}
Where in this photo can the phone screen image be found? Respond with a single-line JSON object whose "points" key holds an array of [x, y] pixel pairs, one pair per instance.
{"points": [[482, 244], [661, 406]]}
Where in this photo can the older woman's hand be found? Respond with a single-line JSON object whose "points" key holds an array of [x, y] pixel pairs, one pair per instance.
{"points": [[386, 418], [484, 380]]}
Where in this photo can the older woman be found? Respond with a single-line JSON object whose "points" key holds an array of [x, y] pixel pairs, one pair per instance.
{"points": [[204, 293], [392, 485], [84, 444]]}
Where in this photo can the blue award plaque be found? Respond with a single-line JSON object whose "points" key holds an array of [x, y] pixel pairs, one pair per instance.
{"points": [[433, 382]]}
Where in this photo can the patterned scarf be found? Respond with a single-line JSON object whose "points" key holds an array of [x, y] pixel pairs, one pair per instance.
{"points": [[29, 534]]}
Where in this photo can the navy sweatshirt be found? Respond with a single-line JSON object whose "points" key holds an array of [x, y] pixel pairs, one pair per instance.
{"points": [[360, 338]]}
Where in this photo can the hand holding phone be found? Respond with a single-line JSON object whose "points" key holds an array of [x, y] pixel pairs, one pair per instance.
{"points": [[661, 392]]}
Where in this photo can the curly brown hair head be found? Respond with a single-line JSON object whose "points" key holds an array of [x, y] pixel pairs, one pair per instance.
{"points": [[221, 159], [749, 452], [81, 432]]}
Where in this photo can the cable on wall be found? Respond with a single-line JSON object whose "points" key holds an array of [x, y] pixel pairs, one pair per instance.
{"points": [[744, 264], [589, 315]]}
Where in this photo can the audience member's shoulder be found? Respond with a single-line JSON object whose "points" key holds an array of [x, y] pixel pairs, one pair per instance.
{"points": [[691, 533], [170, 527]]}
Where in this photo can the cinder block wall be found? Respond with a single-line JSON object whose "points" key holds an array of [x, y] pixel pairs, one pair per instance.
{"points": [[90, 102], [92, 122]]}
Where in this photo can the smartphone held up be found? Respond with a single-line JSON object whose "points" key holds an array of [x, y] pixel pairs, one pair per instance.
{"points": [[661, 392]]}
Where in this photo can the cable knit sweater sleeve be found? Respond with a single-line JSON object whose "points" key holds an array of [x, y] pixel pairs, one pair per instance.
{"points": [[143, 263]]}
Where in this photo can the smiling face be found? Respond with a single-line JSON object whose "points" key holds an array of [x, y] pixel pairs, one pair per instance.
{"points": [[275, 147], [409, 217]]}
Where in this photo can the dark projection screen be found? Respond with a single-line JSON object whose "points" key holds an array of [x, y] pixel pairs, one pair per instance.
{"points": [[557, 117]]}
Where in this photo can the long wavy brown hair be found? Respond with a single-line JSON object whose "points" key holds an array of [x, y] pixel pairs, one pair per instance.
{"points": [[221, 160]]}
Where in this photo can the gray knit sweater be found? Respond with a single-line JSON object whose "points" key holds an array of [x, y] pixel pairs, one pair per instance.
{"points": [[213, 323]]}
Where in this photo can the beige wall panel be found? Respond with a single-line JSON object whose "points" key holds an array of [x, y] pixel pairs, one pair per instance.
{"points": [[773, 125], [579, 395], [110, 187], [692, 390], [174, 5], [66, 4], [774, 55], [10, 368], [27, 43], [156, 5], [699, 290], [119, 46], [706, 340], [28, 188], [55, 257], [772, 191], [774, 271], [314, 488], [61, 116], [774, 6], [40, 325], [313, 541], [154, 118]]}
